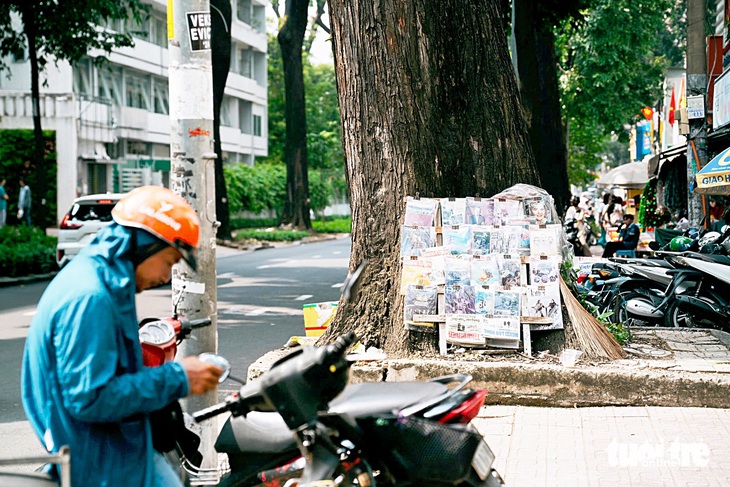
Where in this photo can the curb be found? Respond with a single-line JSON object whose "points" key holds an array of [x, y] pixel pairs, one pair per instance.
{"points": [[552, 385], [16, 281], [548, 385]]}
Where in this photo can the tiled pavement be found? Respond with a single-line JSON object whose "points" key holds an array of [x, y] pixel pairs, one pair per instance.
{"points": [[608, 446]]}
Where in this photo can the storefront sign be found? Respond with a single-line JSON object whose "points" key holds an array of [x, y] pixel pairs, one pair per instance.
{"points": [[696, 106], [721, 101]]}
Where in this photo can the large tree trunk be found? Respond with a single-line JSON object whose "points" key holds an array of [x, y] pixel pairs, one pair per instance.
{"points": [[221, 60], [429, 105], [291, 40], [538, 82]]}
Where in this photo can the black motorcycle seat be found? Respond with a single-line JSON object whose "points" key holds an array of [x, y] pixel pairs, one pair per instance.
{"points": [[374, 398], [267, 433]]}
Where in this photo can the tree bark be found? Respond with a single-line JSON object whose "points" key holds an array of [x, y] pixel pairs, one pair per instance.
{"points": [[538, 82], [221, 59], [429, 105], [291, 41]]}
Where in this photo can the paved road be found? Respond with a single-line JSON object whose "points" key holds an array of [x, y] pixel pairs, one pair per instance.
{"points": [[260, 296]]}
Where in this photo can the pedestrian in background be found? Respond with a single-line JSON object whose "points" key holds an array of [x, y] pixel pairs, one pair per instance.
{"points": [[24, 203], [3, 203]]}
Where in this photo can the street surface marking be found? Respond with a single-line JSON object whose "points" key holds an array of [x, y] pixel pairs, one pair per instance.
{"points": [[303, 297], [30, 313], [339, 284]]}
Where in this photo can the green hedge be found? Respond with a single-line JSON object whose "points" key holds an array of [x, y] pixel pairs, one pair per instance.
{"points": [[263, 187], [25, 251], [16, 147]]}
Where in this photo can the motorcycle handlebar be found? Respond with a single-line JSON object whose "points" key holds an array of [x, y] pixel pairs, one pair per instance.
{"points": [[211, 411], [199, 323]]}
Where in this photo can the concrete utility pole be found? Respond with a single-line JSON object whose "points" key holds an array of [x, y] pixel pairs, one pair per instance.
{"points": [[696, 85], [193, 177]]}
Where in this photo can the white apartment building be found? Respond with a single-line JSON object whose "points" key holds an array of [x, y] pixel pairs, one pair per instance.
{"points": [[112, 122]]}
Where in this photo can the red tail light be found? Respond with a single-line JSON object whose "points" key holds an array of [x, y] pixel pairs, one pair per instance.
{"points": [[468, 410], [65, 225], [59, 255], [582, 278]]}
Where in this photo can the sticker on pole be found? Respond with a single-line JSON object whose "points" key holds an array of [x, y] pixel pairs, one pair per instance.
{"points": [[199, 30]]}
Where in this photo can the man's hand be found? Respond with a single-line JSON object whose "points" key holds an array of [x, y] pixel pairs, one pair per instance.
{"points": [[202, 377]]}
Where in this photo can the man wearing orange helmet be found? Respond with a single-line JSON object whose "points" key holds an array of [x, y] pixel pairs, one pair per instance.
{"points": [[83, 381]]}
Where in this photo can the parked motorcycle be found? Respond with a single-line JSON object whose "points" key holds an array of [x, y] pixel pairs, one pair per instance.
{"points": [[377, 434], [696, 294], [404, 433]]}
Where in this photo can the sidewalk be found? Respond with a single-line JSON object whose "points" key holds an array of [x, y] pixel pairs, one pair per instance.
{"points": [[627, 446]]}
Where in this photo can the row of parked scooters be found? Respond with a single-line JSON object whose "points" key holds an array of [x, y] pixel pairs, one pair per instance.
{"points": [[684, 284]]}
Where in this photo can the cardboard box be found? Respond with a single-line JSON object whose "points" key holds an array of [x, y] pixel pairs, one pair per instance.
{"points": [[317, 317]]}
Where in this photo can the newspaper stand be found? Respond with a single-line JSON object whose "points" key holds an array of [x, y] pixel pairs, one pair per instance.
{"points": [[516, 329]]}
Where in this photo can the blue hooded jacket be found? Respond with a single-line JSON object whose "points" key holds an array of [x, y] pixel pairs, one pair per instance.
{"points": [[83, 381]]}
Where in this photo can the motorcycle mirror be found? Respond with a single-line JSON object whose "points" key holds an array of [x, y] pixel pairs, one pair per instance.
{"points": [[352, 284], [218, 361]]}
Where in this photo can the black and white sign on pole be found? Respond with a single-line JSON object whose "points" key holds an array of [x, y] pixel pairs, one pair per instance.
{"points": [[199, 30]]}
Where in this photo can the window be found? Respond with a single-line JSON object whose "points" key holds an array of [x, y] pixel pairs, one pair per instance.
{"points": [[161, 103], [244, 62], [82, 78], [243, 11], [110, 85], [158, 29], [257, 125], [244, 116], [226, 111], [137, 91]]}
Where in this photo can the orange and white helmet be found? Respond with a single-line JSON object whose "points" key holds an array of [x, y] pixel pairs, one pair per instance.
{"points": [[164, 214]]}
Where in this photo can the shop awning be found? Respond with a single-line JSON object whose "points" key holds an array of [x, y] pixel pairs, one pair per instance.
{"points": [[656, 162], [633, 175]]}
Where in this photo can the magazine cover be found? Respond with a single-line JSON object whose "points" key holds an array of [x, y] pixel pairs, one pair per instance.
{"points": [[507, 303], [436, 257], [457, 269], [480, 239], [414, 239], [421, 212], [520, 239], [502, 327], [416, 271], [464, 329], [498, 240], [544, 302], [419, 300], [510, 272], [457, 238], [479, 211], [484, 300], [484, 270], [544, 240], [453, 211], [537, 209], [459, 299], [544, 270], [506, 211]]}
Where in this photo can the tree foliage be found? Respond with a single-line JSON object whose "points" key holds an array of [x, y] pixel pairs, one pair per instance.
{"points": [[53, 30], [612, 60]]}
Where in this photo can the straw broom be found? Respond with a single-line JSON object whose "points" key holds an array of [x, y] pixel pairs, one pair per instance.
{"points": [[589, 335]]}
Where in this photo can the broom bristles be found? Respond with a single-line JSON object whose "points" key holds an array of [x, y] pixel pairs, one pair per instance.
{"points": [[593, 339]]}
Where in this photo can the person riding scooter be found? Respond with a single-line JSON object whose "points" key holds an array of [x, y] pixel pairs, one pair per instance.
{"points": [[83, 380]]}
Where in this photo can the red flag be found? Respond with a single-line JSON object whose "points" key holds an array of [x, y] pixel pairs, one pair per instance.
{"points": [[672, 107]]}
